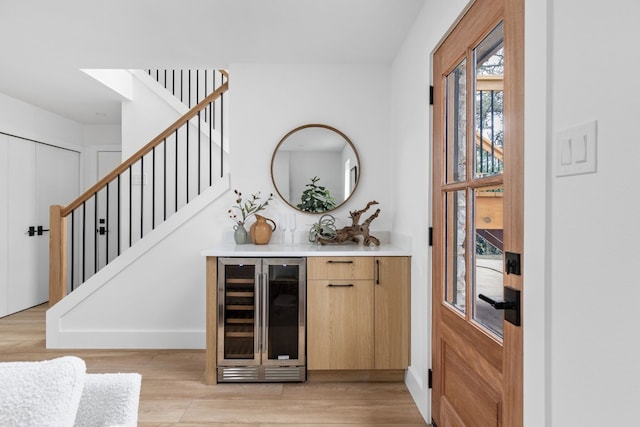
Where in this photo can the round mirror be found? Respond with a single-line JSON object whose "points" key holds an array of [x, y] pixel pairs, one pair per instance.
{"points": [[315, 168]]}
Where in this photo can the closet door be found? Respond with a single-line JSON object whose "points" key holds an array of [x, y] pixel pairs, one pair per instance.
{"points": [[22, 287], [4, 224], [35, 176]]}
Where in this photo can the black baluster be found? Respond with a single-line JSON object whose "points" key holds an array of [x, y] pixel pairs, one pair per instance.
{"points": [[106, 226], [95, 233], [199, 139], [164, 178], [186, 162], [84, 239], [211, 109], [221, 135], [176, 174], [153, 188], [141, 196], [119, 217], [73, 238], [130, 206]]}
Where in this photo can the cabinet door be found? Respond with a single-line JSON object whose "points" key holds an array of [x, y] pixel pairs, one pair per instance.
{"points": [[392, 313], [340, 324]]}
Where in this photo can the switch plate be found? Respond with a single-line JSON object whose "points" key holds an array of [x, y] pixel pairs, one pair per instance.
{"points": [[577, 150]]}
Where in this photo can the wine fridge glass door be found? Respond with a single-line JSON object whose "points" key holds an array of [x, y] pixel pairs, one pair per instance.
{"points": [[238, 332], [283, 314]]}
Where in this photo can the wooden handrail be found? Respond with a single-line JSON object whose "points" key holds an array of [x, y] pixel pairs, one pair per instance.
{"points": [[84, 197]]}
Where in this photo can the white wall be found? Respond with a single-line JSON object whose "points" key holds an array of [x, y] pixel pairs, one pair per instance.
{"points": [[594, 286], [269, 100], [27, 121], [144, 118]]}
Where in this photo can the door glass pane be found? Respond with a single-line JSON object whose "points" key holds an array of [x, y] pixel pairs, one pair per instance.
{"points": [[239, 309], [456, 129], [283, 312], [455, 282], [489, 103], [489, 257]]}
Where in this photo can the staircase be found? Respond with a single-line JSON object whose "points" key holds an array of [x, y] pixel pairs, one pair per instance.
{"points": [[141, 202]]}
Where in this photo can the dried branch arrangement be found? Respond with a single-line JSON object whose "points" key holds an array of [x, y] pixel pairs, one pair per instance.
{"points": [[351, 233]]}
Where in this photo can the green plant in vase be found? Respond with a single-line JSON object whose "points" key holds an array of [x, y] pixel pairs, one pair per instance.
{"points": [[316, 198]]}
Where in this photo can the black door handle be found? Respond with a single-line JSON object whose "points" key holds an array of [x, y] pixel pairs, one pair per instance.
{"points": [[511, 305], [102, 230], [39, 230], [498, 305]]}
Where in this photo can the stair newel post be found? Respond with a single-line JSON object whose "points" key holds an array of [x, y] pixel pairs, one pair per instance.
{"points": [[57, 255]]}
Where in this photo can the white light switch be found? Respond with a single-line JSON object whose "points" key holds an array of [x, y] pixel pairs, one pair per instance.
{"points": [[576, 150], [565, 151], [580, 151]]}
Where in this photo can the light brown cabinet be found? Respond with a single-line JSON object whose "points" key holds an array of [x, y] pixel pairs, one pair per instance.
{"points": [[358, 313]]}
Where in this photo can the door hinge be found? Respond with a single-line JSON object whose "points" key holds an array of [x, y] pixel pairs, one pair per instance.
{"points": [[430, 95], [433, 423], [430, 236], [430, 379]]}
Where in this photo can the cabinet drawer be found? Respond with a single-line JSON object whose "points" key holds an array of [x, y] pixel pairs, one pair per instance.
{"points": [[348, 268]]}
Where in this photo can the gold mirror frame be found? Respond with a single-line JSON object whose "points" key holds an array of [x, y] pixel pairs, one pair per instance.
{"points": [[285, 173]]}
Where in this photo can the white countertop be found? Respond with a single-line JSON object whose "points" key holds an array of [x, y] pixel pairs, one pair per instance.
{"points": [[306, 250]]}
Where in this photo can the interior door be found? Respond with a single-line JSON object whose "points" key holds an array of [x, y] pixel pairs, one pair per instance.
{"points": [[22, 278], [37, 176], [478, 215]]}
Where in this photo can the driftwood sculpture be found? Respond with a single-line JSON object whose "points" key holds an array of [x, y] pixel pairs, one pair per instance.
{"points": [[351, 233]]}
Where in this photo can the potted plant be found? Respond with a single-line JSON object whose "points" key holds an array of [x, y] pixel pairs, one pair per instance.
{"points": [[316, 198]]}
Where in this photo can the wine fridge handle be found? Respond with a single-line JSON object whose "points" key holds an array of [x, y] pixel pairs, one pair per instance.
{"points": [[258, 314], [265, 297]]}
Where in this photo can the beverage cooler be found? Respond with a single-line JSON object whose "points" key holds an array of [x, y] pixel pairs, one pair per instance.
{"points": [[261, 319]]}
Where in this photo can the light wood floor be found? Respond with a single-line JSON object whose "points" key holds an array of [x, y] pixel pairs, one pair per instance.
{"points": [[174, 394]]}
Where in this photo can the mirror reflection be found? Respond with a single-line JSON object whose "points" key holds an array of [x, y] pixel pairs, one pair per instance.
{"points": [[315, 168]]}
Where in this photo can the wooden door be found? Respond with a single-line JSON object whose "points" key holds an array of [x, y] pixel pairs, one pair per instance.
{"points": [[478, 215]]}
